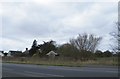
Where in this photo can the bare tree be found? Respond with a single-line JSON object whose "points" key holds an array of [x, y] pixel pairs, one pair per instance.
{"points": [[86, 42], [116, 36], [119, 37]]}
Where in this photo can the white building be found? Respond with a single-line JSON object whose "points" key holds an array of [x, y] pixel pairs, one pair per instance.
{"points": [[52, 54], [1, 53], [9, 54]]}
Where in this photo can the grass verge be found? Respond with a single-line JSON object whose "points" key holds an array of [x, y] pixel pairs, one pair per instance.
{"points": [[110, 61]]}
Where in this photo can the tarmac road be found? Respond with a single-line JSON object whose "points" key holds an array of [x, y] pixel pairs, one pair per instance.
{"points": [[26, 70]]}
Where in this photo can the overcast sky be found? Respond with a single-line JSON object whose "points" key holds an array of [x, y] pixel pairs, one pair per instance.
{"points": [[22, 22]]}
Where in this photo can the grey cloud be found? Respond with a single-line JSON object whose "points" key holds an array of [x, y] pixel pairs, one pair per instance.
{"points": [[47, 22]]}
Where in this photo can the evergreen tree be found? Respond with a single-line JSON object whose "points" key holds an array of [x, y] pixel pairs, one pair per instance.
{"points": [[47, 47], [33, 49]]}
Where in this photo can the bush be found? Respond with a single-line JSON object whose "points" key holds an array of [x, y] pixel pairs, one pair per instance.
{"points": [[67, 50]]}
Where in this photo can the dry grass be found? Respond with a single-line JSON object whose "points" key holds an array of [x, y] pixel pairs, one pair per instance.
{"points": [[110, 61]]}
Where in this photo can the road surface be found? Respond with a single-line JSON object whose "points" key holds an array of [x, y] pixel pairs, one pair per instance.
{"points": [[25, 70]]}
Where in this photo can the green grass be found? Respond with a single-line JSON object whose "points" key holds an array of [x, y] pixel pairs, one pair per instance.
{"points": [[110, 61]]}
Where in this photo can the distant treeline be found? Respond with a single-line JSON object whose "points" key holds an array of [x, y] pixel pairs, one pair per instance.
{"points": [[84, 47]]}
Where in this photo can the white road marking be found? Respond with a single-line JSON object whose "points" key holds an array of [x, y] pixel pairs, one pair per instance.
{"points": [[109, 71], [44, 74]]}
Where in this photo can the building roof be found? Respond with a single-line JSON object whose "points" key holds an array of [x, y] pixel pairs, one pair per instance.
{"points": [[51, 53]]}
